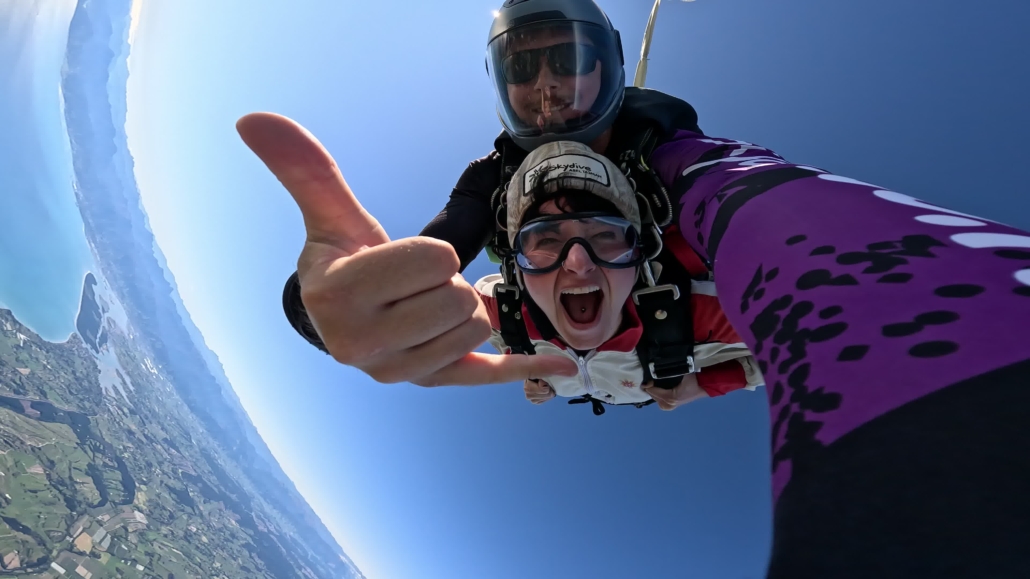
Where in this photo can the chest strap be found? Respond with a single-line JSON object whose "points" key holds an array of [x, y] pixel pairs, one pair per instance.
{"points": [[666, 348]]}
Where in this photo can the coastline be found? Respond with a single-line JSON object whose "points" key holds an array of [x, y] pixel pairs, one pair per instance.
{"points": [[40, 306], [90, 319], [82, 288], [173, 405], [75, 317]]}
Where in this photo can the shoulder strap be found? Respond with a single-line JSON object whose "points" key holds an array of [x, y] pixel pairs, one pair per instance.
{"points": [[511, 157], [509, 312], [508, 295], [636, 149], [666, 348]]}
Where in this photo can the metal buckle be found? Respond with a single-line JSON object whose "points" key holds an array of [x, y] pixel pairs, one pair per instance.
{"points": [[691, 369], [657, 289], [504, 287]]}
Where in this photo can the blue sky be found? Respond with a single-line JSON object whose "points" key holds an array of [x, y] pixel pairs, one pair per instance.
{"points": [[926, 99]]}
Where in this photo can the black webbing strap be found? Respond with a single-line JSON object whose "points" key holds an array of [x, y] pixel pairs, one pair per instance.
{"points": [[666, 348], [513, 326], [598, 405], [511, 157], [636, 152]]}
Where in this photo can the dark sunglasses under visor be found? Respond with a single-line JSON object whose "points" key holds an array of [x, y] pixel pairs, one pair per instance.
{"points": [[543, 244], [566, 59]]}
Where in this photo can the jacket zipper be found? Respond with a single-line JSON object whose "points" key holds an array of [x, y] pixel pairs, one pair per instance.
{"points": [[586, 375]]}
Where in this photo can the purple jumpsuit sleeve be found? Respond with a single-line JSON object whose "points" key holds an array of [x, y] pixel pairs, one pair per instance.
{"points": [[854, 298]]}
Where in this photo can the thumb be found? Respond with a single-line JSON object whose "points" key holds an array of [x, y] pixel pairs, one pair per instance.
{"points": [[332, 214]]}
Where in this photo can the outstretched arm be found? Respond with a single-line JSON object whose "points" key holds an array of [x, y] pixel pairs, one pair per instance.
{"points": [[395, 309], [894, 337]]}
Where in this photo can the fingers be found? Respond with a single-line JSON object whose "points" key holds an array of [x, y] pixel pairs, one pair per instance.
{"points": [[685, 392], [396, 270], [332, 214], [664, 398], [447, 321], [475, 369], [422, 317], [538, 391], [421, 364]]}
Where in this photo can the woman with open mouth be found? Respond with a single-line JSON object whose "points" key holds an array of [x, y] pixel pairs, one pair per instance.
{"points": [[575, 228]]}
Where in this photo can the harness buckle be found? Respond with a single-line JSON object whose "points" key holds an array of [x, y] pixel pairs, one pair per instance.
{"points": [[656, 290], [505, 287], [673, 370]]}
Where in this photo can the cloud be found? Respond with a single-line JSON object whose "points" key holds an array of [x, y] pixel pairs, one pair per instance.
{"points": [[137, 9]]}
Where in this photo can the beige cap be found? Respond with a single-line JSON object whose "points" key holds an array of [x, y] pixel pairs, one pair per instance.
{"points": [[569, 165]]}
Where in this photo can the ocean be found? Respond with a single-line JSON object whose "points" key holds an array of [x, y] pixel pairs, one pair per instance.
{"points": [[44, 254]]}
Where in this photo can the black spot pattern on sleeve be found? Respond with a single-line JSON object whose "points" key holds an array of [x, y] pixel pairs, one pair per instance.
{"points": [[959, 290], [800, 442], [885, 256]]}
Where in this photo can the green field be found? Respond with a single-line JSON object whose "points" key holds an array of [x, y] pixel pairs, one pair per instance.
{"points": [[141, 476]]}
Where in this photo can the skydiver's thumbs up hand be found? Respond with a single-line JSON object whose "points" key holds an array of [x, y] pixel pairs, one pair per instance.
{"points": [[397, 310]]}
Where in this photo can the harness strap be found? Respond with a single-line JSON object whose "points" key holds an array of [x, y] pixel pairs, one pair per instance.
{"points": [[598, 405], [634, 159], [513, 326], [498, 247], [666, 348]]}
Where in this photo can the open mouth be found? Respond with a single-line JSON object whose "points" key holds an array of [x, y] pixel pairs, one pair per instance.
{"points": [[582, 304]]}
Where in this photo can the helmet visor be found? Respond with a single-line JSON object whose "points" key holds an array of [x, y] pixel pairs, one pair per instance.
{"points": [[554, 77], [543, 244]]}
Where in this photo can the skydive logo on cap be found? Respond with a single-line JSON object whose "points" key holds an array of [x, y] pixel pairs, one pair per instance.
{"points": [[566, 166]]}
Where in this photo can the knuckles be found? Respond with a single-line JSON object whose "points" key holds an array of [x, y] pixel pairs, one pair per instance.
{"points": [[467, 299], [346, 319], [417, 255], [438, 255], [479, 329]]}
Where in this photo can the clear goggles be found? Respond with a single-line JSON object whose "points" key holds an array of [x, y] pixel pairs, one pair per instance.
{"points": [[542, 244]]}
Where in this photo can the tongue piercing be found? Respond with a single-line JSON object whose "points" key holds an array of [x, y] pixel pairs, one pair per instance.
{"points": [[582, 310]]}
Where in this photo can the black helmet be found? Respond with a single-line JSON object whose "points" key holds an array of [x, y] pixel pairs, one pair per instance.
{"points": [[557, 67]]}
